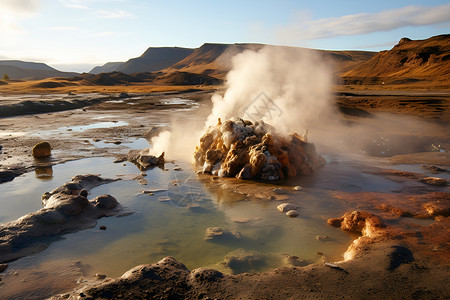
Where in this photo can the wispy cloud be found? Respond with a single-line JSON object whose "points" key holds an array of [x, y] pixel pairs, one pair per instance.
{"points": [[74, 4], [364, 23], [113, 14]]}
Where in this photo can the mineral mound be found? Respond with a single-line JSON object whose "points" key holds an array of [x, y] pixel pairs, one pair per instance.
{"points": [[250, 150]]}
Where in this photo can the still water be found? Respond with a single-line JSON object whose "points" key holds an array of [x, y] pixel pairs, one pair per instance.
{"points": [[150, 229]]}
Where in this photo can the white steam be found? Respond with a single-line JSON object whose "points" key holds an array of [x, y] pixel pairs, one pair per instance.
{"points": [[289, 88]]}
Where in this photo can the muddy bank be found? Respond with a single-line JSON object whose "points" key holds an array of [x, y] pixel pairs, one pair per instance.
{"points": [[381, 270], [66, 209], [18, 107]]}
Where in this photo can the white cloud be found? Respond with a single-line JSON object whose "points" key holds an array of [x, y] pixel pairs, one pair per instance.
{"points": [[109, 14], [74, 4], [364, 23]]}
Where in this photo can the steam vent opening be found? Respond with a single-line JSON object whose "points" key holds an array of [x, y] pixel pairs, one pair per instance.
{"points": [[256, 150]]}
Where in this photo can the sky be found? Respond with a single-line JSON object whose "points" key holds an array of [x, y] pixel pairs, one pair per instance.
{"points": [[76, 35]]}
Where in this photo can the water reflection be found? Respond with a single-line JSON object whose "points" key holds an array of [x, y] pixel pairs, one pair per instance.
{"points": [[44, 173]]}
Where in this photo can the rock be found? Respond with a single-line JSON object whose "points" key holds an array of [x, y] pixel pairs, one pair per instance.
{"points": [[100, 276], [241, 260], [3, 267], [434, 169], [292, 213], [245, 173], [204, 275], [237, 145], [214, 233], [123, 95], [293, 261], [105, 202], [285, 207], [84, 193], [358, 222], [279, 191], [103, 227], [41, 150], [144, 160], [434, 181], [297, 188], [322, 237], [65, 210]]}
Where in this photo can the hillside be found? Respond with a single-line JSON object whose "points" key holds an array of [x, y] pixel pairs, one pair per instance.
{"points": [[106, 68], [153, 59], [408, 61], [17, 69], [215, 59]]}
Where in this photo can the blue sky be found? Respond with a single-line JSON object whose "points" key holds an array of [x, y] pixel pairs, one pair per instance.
{"points": [[75, 35]]}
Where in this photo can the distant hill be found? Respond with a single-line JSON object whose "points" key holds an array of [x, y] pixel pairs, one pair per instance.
{"points": [[212, 59], [408, 61], [215, 59], [153, 59], [17, 69], [106, 68]]}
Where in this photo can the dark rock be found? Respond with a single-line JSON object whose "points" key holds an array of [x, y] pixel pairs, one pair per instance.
{"points": [[103, 227], [245, 173], [3, 267], [105, 202], [84, 193]]}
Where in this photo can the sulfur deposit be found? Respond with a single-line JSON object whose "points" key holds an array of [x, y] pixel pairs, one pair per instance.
{"points": [[250, 150]]}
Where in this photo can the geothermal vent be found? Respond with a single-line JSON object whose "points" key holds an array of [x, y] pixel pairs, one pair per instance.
{"points": [[254, 151]]}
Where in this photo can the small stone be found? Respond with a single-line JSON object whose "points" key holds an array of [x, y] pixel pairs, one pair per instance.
{"points": [[164, 199], [285, 207], [3, 267], [292, 213], [297, 188], [100, 276], [177, 169], [103, 227], [322, 237], [320, 253], [42, 149], [84, 193], [279, 191], [434, 181]]}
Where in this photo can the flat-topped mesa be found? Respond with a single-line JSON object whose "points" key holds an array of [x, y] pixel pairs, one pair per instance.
{"points": [[250, 150]]}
